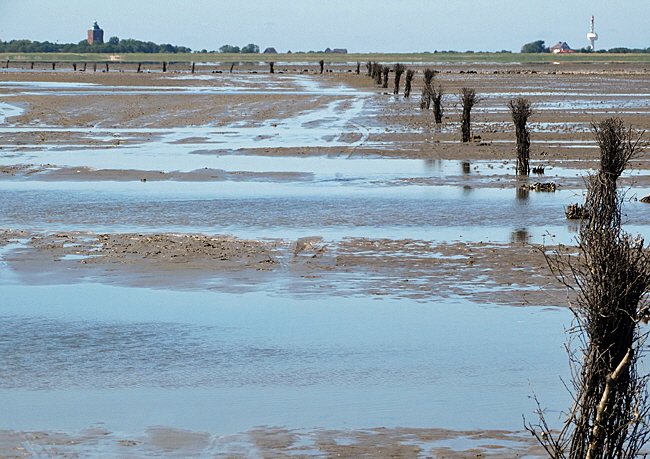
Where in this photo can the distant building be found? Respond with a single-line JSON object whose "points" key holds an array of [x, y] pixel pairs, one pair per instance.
{"points": [[336, 51], [561, 47], [270, 51], [95, 35]]}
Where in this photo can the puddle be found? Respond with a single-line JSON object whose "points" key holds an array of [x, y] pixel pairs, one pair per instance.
{"points": [[333, 210], [327, 126], [75, 355], [463, 443], [221, 84], [48, 84], [476, 444], [8, 275], [8, 111]]}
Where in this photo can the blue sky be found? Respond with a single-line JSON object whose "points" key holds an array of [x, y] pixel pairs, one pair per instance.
{"points": [[359, 25]]}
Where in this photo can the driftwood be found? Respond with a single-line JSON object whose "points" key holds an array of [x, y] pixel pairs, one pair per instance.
{"points": [[548, 187]]}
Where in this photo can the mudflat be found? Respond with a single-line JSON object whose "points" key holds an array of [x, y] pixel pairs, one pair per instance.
{"points": [[300, 183], [95, 116]]}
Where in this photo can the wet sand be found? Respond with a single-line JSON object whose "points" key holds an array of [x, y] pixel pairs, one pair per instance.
{"points": [[514, 274], [107, 113], [271, 442]]}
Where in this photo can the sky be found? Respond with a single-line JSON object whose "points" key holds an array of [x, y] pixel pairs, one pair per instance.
{"points": [[359, 25]]}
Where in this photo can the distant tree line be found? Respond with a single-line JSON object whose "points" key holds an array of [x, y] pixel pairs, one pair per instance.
{"points": [[248, 49], [114, 45], [538, 47]]}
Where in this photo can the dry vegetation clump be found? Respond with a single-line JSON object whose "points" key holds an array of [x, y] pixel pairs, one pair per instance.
{"points": [[437, 92], [377, 72], [468, 98], [399, 70], [521, 109], [425, 100], [385, 71], [610, 276], [408, 82]]}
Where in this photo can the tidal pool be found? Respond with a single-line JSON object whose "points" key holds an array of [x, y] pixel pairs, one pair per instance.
{"points": [[74, 355], [332, 209]]}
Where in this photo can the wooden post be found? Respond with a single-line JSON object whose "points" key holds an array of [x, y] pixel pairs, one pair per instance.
{"points": [[74, 67], [7, 64], [193, 66], [32, 67], [139, 67], [232, 66], [94, 67], [85, 64], [271, 64], [164, 68], [107, 67], [53, 65]]}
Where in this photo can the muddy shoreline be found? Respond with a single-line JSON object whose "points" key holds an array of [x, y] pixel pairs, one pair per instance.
{"points": [[513, 274]]}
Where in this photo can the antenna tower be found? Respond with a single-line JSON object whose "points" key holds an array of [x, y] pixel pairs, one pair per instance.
{"points": [[592, 36]]}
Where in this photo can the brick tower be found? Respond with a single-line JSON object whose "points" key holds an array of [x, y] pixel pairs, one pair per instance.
{"points": [[95, 35]]}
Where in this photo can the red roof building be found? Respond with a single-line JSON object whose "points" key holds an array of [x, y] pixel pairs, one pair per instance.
{"points": [[561, 47]]}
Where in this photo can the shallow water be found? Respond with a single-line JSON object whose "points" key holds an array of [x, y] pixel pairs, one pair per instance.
{"points": [[333, 210], [330, 209], [220, 84], [72, 355]]}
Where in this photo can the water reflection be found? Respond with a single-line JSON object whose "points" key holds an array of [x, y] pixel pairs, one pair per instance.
{"points": [[434, 165], [466, 167], [520, 235], [522, 194], [573, 227]]}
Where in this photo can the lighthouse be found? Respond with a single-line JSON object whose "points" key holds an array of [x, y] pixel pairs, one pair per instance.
{"points": [[95, 35]]}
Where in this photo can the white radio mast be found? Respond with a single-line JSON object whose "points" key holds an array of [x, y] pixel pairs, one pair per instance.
{"points": [[592, 36]]}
